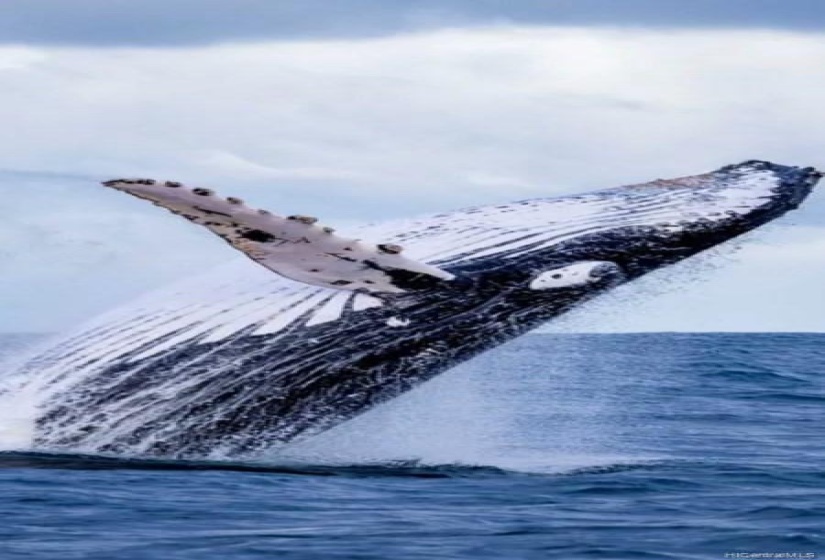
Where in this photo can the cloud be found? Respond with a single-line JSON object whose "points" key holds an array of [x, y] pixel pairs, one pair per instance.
{"points": [[368, 129], [188, 22], [415, 113], [68, 249]]}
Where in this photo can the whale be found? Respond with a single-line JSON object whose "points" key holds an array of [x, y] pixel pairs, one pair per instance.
{"points": [[313, 328]]}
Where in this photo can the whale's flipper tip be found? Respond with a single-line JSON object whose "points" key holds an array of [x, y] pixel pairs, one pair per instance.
{"points": [[293, 246]]}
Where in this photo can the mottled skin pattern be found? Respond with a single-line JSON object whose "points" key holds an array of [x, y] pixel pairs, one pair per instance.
{"points": [[294, 246], [245, 393]]}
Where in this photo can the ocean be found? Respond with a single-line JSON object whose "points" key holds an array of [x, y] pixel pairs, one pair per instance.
{"points": [[615, 446]]}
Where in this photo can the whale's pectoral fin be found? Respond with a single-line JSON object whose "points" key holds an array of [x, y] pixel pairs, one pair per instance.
{"points": [[292, 246]]}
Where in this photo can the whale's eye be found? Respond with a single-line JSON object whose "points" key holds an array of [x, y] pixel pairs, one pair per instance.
{"points": [[556, 276]]}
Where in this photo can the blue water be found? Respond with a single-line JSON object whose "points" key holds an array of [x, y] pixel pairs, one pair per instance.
{"points": [[556, 446]]}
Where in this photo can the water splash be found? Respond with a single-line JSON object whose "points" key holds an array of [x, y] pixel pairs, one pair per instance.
{"points": [[18, 397], [496, 411]]}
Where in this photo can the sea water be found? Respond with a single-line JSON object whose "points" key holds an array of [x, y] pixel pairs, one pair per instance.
{"points": [[555, 446]]}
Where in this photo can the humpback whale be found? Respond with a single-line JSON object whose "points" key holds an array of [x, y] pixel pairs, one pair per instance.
{"points": [[317, 327]]}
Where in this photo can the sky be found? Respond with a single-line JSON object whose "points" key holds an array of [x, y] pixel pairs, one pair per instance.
{"points": [[361, 110]]}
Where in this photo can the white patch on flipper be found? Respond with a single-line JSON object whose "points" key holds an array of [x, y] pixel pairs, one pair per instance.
{"points": [[331, 311], [287, 316], [363, 301], [579, 274], [294, 247]]}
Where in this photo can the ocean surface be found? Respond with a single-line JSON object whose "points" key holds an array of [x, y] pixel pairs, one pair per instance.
{"points": [[632, 446]]}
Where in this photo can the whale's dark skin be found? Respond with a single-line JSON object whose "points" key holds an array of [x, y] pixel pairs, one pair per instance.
{"points": [[244, 393]]}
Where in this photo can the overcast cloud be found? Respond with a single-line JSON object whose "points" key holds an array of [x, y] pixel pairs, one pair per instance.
{"points": [[183, 22], [367, 127]]}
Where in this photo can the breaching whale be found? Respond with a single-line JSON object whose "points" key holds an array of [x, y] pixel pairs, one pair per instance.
{"points": [[244, 359]]}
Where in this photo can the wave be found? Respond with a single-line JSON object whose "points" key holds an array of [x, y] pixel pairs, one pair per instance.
{"points": [[404, 469], [79, 461]]}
